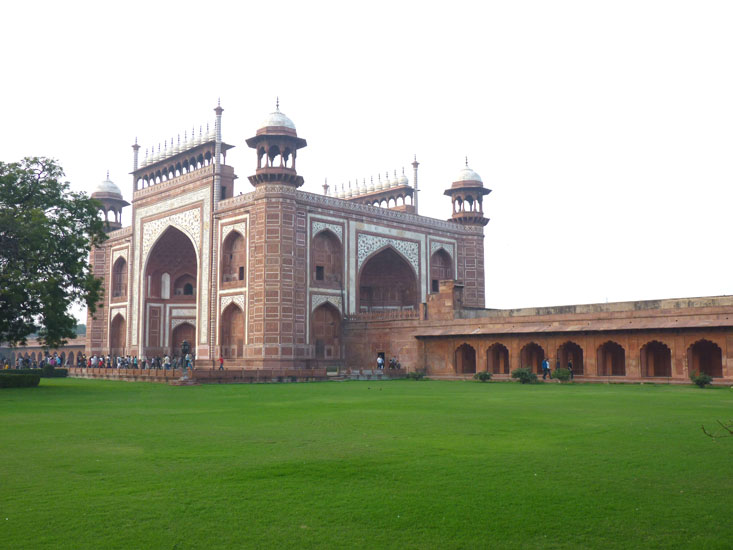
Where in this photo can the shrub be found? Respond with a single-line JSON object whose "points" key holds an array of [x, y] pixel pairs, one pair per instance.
{"points": [[19, 380], [561, 374], [416, 375], [483, 376], [54, 373], [524, 375], [701, 379]]}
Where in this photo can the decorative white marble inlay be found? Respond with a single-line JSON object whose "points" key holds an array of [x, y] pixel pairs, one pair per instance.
{"points": [[318, 299], [370, 243], [241, 227], [226, 300], [183, 313], [115, 310], [200, 196], [118, 254], [320, 226], [176, 322], [434, 246], [189, 222]]}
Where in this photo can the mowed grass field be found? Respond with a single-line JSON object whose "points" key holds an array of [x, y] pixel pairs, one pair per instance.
{"points": [[402, 464]]}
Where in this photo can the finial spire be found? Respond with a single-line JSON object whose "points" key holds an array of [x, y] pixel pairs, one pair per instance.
{"points": [[466, 161], [277, 103], [107, 175], [218, 102]]}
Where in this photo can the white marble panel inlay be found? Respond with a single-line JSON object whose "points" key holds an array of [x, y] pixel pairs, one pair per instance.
{"points": [[318, 299], [370, 243], [320, 226]]}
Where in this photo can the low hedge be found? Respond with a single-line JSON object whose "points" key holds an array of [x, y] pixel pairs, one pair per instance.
{"points": [[19, 380], [45, 372]]}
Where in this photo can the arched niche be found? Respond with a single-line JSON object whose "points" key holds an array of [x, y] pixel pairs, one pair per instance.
{"points": [[232, 332], [233, 260], [571, 353], [465, 359], [118, 335], [184, 331], [441, 269], [531, 356], [326, 260], [705, 357], [387, 282], [611, 359], [656, 360], [325, 329], [119, 278], [497, 359]]}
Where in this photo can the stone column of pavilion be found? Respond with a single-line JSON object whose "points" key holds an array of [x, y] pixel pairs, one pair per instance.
{"points": [[467, 193], [278, 250]]}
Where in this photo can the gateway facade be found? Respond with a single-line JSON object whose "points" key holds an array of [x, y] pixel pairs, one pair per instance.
{"points": [[271, 277]]}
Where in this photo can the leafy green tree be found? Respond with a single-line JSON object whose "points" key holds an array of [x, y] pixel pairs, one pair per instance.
{"points": [[46, 234]]}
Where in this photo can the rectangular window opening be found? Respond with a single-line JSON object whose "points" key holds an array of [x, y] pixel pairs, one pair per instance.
{"points": [[319, 273], [241, 273], [435, 285]]}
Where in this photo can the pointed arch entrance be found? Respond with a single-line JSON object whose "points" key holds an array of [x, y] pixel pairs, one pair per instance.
{"points": [[465, 359], [656, 360], [497, 359], [118, 335], [611, 359], [326, 331], [441, 269], [232, 332], [387, 282], [705, 357], [185, 331], [570, 352], [531, 356], [171, 279]]}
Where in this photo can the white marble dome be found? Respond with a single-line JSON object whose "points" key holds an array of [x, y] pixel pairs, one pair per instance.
{"points": [[107, 187], [277, 118], [466, 174]]}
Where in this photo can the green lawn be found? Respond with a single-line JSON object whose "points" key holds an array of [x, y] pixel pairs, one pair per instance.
{"points": [[100, 464]]}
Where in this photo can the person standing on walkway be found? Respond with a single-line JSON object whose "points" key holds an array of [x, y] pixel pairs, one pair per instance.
{"points": [[570, 368], [545, 368], [221, 363]]}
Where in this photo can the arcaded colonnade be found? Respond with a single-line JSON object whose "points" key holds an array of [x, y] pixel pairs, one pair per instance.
{"points": [[619, 355]]}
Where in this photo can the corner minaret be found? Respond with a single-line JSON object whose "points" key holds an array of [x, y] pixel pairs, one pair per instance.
{"points": [[467, 193], [277, 144], [111, 198]]}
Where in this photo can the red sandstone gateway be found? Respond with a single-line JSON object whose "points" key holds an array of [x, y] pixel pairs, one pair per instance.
{"points": [[278, 278]]}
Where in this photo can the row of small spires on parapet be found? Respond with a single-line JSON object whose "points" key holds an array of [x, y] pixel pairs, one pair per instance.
{"points": [[349, 193], [153, 156]]}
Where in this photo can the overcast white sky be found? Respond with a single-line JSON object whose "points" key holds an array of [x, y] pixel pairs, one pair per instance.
{"points": [[604, 129]]}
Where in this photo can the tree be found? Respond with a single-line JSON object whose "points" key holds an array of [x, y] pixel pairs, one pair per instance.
{"points": [[46, 234]]}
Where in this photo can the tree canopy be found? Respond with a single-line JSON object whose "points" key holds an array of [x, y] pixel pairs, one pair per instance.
{"points": [[46, 234]]}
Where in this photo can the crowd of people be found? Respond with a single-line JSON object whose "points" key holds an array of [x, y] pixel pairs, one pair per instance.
{"points": [[104, 362]]}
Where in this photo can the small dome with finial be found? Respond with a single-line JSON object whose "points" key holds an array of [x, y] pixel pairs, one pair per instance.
{"points": [[276, 119], [106, 188], [466, 174], [403, 178]]}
